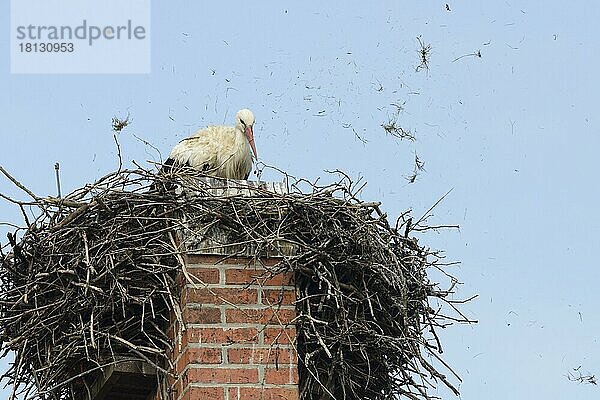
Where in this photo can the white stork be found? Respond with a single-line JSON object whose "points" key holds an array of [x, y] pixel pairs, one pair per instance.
{"points": [[221, 151]]}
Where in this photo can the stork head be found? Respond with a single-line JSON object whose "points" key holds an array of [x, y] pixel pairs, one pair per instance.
{"points": [[244, 121]]}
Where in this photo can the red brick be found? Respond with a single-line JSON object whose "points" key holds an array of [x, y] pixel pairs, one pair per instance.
{"points": [[273, 355], [223, 375], [222, 335], [198, 355], [250, 393], [185, 339], [197, 393], [279, 335], [243, 276], [281, 376], [280, 279], [202, 315], [285, 297], [259, 316], [220, 296], [205, 274], [206, 259], [257, 276], [191, 335]]}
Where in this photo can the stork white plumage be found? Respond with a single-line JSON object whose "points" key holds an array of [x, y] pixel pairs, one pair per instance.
{"points": [[221, 151]]}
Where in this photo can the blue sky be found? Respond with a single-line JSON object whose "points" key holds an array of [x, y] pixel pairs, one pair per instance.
{"points": [[513, 133]]}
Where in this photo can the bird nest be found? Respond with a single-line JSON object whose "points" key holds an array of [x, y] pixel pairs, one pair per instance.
{"points": [[90, 281]]}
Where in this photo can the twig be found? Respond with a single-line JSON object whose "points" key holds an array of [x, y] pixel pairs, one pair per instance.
{"points": [[118, 152], [476, 54], [19, 184], [57, 169], [424, 53], [426, 214]]}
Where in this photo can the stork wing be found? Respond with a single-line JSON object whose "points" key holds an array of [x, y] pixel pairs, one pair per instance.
{"points": [[198, 151]]}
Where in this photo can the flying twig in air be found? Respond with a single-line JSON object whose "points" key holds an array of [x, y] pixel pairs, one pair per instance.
{"points": [[418, 168], [476, 54], [392, 126], [395, 130], [577, 376], [424, 53], [378, 86], [399, 107]]}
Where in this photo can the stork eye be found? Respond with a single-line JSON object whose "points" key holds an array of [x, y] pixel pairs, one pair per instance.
{"points": [[243, 123]]}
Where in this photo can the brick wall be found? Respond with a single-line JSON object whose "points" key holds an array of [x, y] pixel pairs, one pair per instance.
{"points": [[238, 343]]}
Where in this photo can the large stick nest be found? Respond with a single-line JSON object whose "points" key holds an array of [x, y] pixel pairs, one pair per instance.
{"points": [[90, 282]]}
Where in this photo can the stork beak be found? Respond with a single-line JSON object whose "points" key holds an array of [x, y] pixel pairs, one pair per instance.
{"points": [[250, 135]]}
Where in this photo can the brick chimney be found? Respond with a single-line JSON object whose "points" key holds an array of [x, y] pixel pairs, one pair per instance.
{"points": [[239, 336]]}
